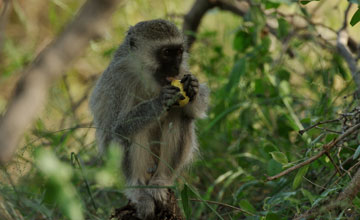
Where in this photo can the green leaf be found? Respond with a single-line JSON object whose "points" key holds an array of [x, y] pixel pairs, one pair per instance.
{"points": [[324, 195], [59, 188], [355, 1], [330, 137], [298, 178], [269, 5], [185, 201], [238, 70], [242, 41], [283, 29], [259, 86], [272, 216], [305, 2], [245, 204], [355, 18], [273, 167], [279, 157], [356, 202], [308, 195], [288, 2], [357, 153]]}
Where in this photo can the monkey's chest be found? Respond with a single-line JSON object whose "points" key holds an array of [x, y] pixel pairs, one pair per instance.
{"points": [[165, 134]]}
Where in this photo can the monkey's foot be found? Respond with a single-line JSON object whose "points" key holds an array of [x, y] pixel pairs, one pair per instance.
{"points": [[169, 211], [145, 208], [159, 194]]}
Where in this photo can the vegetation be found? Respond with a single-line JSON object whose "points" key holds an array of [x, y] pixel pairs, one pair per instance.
{"points": [[281, 93]]}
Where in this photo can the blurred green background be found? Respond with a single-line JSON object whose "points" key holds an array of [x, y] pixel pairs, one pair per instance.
{"points": [[261, 96]]}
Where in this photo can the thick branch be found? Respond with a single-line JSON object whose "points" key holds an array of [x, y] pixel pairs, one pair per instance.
{"points": [[341, 44], [193, 18], [31, 90], [352, 189], [342, 41]]}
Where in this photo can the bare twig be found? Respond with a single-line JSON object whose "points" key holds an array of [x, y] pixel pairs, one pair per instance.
{"points": [[224, 205], [333, 162], [328, 130], [193, 18], [301, 132], [347, 172], [326, 148], [31, 90]]}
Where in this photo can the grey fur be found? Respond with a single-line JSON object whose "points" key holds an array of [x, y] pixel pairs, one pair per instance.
{"points": [[130, 107]]}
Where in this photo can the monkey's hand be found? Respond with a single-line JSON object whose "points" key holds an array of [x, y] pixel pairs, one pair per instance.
{"points": [[191, 86], [169, 96]]}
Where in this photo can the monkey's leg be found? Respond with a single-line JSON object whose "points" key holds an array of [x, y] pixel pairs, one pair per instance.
{"points": [[177, 149], [138, 161]]}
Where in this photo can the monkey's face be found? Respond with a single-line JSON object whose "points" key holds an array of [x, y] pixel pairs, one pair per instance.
{"points": [[169, 58]]}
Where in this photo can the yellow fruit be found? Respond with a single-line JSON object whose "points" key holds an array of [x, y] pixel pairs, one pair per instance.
{"points": [[178, 84]]}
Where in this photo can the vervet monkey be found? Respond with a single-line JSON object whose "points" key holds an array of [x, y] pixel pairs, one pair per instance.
{"points": [[134, 104]]}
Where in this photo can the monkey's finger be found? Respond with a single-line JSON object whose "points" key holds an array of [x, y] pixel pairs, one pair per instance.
{"points": [[194, 83], [196, 90], [168, 96], [192, 77], [186, 85], [190, 93], [185, 78], [171, 90], [170, 87]]}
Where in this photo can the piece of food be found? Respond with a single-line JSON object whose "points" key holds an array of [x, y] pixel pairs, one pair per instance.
{"points": [[178, 84]]}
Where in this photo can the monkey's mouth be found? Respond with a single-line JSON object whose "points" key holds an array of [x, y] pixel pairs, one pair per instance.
{"points": [[170, 78]]}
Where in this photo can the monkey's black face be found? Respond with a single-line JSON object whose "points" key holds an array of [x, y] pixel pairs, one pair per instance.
{"points": [[169, 58]]}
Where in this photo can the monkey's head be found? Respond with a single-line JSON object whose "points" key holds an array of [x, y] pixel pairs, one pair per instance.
{"points": [[158, 48]]}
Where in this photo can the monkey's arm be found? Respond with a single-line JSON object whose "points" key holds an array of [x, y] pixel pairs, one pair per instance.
{"points": [[129, 123], [198, 107], [137, 118]]}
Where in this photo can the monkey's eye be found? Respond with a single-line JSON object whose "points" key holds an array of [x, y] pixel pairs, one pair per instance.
{"points": [[166, 52], [180, 51]]}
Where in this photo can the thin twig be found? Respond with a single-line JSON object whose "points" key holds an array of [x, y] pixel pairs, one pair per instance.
{"points": [[348, 171], [317, 124], [328, 130], [333, 162], [311, 182], [326, 148], [224, 205]]}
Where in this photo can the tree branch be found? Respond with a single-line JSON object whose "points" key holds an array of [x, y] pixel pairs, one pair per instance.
{"points": [[352, 189], [193, 18], [31, 90], [326, 148], [341, 44]]}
